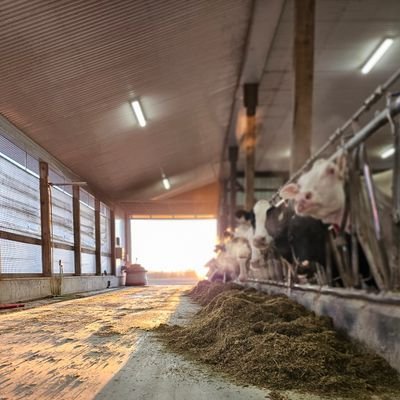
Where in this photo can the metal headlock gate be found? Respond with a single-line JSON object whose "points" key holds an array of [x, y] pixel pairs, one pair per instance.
{"points": [[375, 219]]}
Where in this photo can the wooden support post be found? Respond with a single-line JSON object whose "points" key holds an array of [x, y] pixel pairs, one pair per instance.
{"points": [[45, 218], [97, 227], [225, 211], [250, 102], [112, 234], [249, 166], [221, 206], [233, 157], [222, 209], [77, 229], [303, 56]]}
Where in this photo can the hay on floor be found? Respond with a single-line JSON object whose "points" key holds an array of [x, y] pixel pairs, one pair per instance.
{"points": [[273, 342]]}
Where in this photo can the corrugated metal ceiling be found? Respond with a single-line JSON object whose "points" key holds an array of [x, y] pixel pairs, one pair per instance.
{"points": [[69, 69]]}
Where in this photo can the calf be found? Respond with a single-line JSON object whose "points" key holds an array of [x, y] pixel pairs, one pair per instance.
{"points": [[221, 268], [248, 227], [233, 257]]}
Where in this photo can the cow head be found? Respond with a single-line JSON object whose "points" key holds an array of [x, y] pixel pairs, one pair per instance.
{"points": [[261, 237], [319, 192], [244, 217]]}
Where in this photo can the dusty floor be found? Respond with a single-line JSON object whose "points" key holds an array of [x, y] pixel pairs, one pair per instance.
{"points": [[100, 345], [100, 348], [69, 350], [152, 373]]}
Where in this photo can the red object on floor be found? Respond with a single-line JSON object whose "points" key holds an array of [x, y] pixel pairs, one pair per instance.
{"points": [[6, 306]]}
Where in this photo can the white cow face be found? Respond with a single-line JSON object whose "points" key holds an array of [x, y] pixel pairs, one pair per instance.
{"points": [[318, 193], [261, 237]]}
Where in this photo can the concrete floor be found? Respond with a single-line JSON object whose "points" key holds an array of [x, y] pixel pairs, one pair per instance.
{"points": [[101, 348], [70, 350], [153, 373]]}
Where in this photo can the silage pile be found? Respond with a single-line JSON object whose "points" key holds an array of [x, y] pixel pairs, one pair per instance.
{"points": [[204, 292], [273, 342]]}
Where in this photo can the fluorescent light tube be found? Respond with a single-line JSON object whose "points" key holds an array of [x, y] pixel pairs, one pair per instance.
{"points": [[387, 153], [379, 52], [137, 109], [166, 183]]}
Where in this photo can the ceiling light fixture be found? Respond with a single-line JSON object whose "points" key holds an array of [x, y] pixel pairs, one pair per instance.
{"points": [[387, 153], [165, 182], [137, 109], [378, 53]]}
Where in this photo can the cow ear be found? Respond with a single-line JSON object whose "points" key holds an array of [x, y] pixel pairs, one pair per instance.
{"points": [[289, 191]]}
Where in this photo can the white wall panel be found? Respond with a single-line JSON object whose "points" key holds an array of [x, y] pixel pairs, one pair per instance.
{"points": [[106, 264], [67, 258], [19, 200], [62, 216], [88, 263], [20, 258]]}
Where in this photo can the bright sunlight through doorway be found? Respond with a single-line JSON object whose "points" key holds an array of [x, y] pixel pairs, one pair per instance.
{"points": [[173, 245]]}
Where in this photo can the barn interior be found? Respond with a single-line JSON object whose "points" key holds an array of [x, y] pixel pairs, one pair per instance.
{"points": [[234, 97]]}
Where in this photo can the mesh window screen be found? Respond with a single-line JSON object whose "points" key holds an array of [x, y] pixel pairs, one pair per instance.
{"points": [[88, 263], [105, 234], [62, 222], [120, 231], [106, 264], [87, 221], [20, 258], [19, 209], [12, 151], [87, 198], [19, 200], [105, 229], [57, 177], [67, 260], [32, 164]]}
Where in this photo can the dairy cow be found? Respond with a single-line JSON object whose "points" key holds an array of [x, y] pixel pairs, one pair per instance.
{"points": [[319, 193], [301, 241], [261, 238]]}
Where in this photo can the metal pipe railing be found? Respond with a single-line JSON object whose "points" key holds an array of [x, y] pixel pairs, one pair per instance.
{"points": [[363, 134], [368, 102]]}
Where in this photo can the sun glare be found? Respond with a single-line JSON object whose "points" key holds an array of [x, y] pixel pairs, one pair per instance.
{"points": [[173, 245]]}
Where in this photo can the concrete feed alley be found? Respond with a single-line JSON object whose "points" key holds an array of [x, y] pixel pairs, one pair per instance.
{"points": [[100, 345]]}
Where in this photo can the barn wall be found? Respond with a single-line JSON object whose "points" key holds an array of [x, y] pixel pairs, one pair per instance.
{"points": [[24, 289], [20, 225], [372, 319]]}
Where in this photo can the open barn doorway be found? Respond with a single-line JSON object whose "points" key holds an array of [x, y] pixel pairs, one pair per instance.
{"points": [[173, 250]]}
